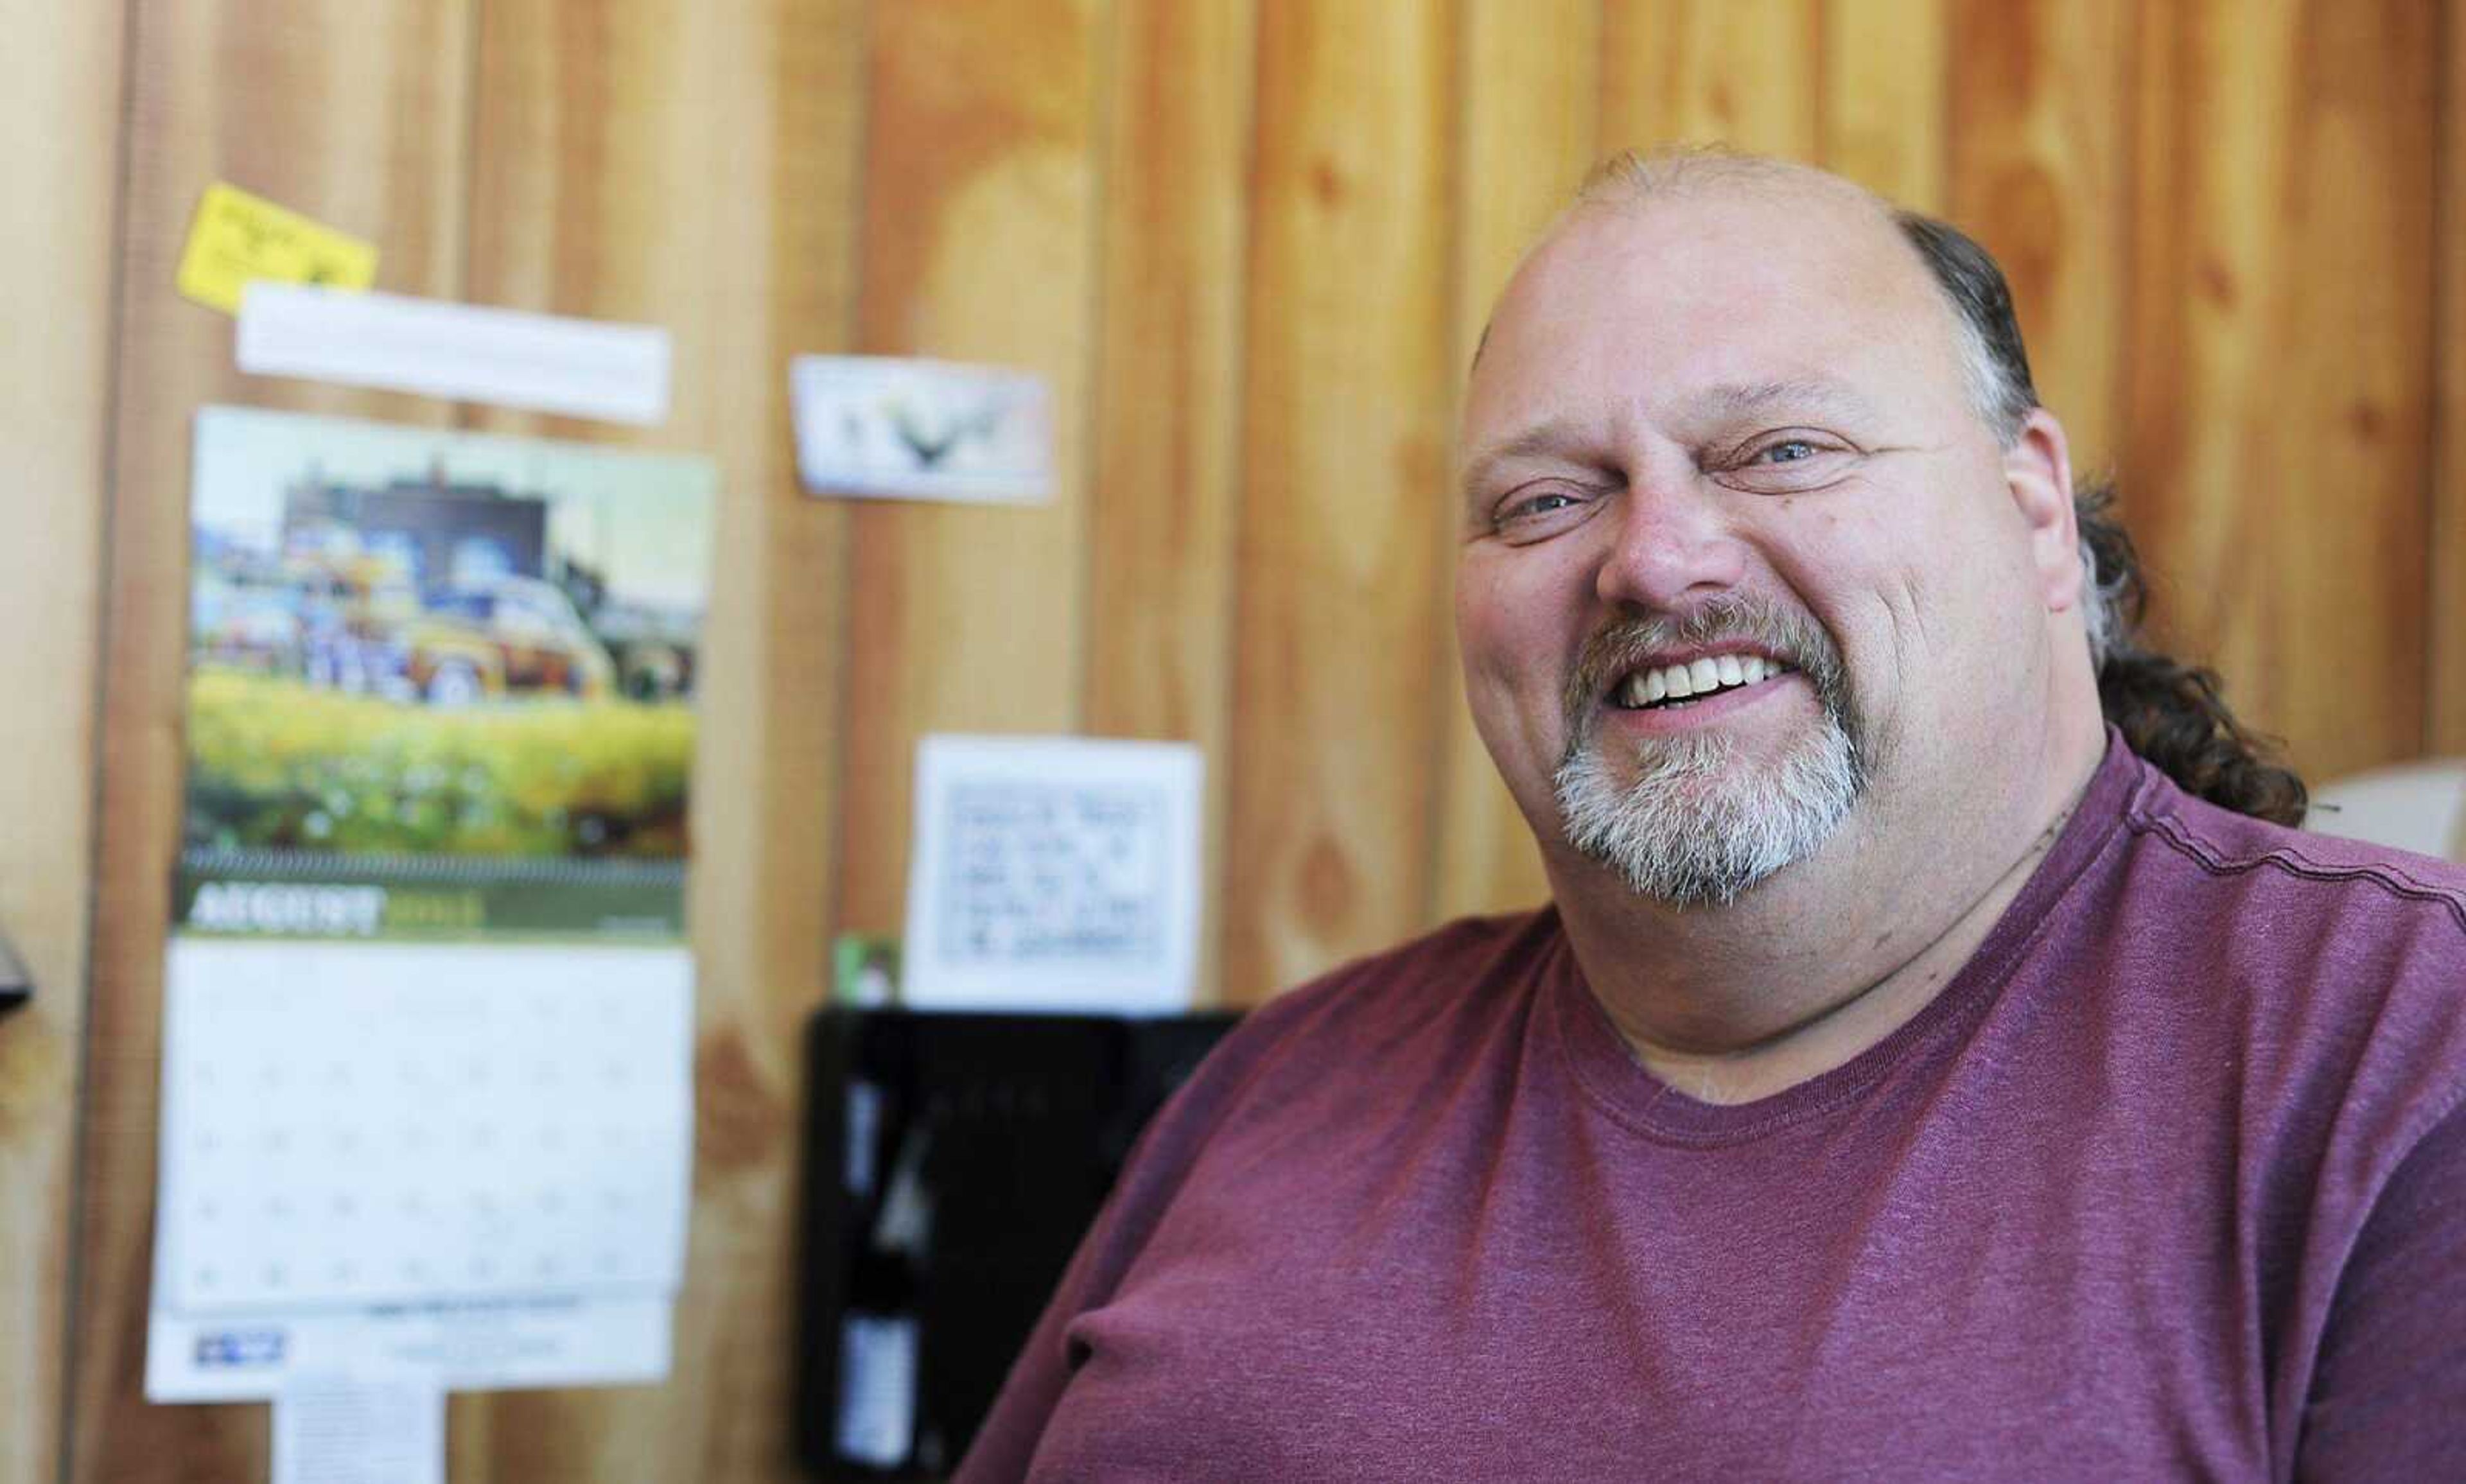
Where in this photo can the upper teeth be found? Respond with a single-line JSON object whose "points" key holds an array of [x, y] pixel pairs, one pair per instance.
{"points": [[1696, 678]]}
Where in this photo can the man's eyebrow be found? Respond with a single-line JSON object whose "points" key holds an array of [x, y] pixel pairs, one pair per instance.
{"points": [[1738, 399], [1554, 435]]}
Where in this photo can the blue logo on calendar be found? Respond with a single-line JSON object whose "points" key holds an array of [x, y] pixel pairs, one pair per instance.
{"points": [[239, 1347]]}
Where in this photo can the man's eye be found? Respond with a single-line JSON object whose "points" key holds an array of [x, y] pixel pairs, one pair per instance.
{"points": [[1787, 464], [1530, 514]]}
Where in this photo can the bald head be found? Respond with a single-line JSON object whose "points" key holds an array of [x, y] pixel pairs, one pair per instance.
{"points": [[1986, 334]]}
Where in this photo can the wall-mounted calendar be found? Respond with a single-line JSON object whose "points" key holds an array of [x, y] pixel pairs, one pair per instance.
{"points": [[427, 1087]]}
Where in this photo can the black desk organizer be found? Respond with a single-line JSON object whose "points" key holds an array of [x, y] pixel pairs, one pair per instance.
{"points": [[17, 985], [1011, 1127]]}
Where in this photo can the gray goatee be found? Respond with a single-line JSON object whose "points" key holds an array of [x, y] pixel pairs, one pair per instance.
{"points": [[1691, 821]]}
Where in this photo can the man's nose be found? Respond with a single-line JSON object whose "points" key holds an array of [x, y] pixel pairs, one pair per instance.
{"points": [[1672, 545]]}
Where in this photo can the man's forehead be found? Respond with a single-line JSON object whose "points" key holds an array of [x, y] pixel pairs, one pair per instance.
{"points": [[1706, 243], [1736, 289]]}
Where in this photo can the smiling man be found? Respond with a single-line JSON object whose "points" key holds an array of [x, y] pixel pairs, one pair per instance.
{"points": [[1738, 424], [1928, 1064]]}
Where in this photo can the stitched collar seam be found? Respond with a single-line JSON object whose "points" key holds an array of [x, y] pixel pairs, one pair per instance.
{"points": [[2171, 830]]}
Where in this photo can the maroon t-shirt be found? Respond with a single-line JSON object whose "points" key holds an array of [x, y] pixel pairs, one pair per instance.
{"points": [[2170, 1181]]}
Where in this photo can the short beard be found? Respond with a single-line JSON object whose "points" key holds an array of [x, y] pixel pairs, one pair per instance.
{"points": [[1697, 825]]}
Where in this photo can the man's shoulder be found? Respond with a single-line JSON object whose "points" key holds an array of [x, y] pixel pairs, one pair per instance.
{"points": [[2311, 962], [2236, 862]]}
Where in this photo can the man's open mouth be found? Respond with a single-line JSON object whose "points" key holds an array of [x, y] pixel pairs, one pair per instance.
{"points": [[1678, 685]]}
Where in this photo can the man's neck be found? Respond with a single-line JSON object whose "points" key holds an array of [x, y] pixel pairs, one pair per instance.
{"points": [[1728, 1005]]}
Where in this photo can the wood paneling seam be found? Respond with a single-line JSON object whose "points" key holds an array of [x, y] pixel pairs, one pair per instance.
{"points": [[1461, 80], [1217, 919], [108, 473], [1239, 597], [832, 908], [1103, 79], [2444, 500]]}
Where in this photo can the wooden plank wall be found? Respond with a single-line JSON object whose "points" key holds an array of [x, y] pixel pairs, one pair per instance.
{"points": [[2276, 446], [1179, 112], [62, 72], [1252, 243], [1344, 458]]}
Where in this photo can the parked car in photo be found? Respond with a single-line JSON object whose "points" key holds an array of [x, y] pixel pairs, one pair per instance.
{"points": [[246, 626], [510, 637]]}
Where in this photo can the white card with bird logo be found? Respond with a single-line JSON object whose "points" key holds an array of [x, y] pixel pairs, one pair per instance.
{"points": [[901, 428]]}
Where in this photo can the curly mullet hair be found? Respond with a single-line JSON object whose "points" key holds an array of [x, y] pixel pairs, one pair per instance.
{"points": [[2170, 712], [2173, 713]]}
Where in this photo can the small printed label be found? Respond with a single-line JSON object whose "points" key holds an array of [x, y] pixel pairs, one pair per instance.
{"points": [[283, 908], [238, 238], [224, 1348]]}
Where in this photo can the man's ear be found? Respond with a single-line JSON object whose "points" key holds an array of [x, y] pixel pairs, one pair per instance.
{"points": [[2038, 472]]}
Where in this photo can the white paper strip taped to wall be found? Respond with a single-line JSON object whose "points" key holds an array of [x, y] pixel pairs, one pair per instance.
{"points": [[460, 352], [344, 1429]]}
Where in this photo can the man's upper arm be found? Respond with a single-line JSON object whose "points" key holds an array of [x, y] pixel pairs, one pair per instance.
{"points": [[2389, 1397], [1007, 1443]]}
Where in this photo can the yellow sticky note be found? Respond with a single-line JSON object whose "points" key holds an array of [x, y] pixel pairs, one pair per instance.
{"points": [[238, 237]]}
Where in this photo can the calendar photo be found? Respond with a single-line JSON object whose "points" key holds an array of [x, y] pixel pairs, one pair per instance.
{"points": [[440, 684]]}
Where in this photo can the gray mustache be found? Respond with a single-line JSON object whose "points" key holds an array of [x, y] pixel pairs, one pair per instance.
{"points": [[1620, 644]]}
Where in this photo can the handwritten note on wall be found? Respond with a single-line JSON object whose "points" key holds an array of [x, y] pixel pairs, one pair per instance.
{"points": [[1054, 873]]}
